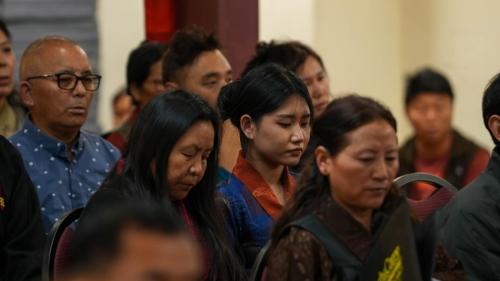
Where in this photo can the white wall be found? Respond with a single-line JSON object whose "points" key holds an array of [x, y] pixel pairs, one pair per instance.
{"points": [[286, 19], [121, 28], [368, 46], [359, 43], [461, 38]]}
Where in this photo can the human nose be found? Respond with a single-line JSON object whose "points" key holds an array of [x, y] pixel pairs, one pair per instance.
{"points": [[431, 114], [3, 59], [79, 88], [298, 135], [315, 90], [381, 170], [196, 167]]}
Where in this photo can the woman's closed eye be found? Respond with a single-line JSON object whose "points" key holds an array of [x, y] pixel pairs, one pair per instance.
{"points": [[7, 50], [284, 124], [210, 83], [366, 159], [391, 158]]}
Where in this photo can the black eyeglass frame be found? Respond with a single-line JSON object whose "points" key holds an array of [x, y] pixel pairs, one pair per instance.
{"points": [[78, 78]]}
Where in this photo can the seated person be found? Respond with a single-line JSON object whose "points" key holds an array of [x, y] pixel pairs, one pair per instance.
{"points": [[195, 63], [272, 110], [65, 163], [303, 61], [308, 66], [123, 107], [172, 158], [472, 219], [347, 190], [21, 230], [134, 240], [144, 82], [436, 147], [11, 111]]}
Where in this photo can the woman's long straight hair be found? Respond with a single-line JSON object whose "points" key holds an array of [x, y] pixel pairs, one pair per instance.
{"points": [[160, 125]]}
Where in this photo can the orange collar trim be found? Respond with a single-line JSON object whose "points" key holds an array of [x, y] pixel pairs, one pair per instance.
{"points": [[260, 189]]}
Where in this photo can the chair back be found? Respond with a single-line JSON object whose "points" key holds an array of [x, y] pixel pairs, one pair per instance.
{"points": [[423, 208], [56, 249]]}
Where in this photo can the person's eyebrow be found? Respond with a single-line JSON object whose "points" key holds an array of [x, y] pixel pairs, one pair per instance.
{"points": [[214, 74], [210, 75]]}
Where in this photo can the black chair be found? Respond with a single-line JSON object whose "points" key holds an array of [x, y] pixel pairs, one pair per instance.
{"points": [[57, 245], [423, 208]]}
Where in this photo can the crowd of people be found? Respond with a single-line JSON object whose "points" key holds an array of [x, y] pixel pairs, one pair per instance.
{"points": [[207, 177]]}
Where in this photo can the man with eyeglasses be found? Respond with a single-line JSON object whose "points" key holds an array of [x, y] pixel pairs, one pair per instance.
{"points": [[66, 164]]}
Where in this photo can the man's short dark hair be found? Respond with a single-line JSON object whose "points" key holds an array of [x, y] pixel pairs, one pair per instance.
{"points": [[184, 47], [491, 103], [427, 80], [140, 61], [96, 242]]}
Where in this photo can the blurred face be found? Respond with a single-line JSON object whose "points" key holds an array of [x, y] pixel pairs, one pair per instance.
{"points": [[430, 115], [122, 109], [280, 137], [209, 72], [188, 160], [7, 63], [149, 256], [54, 109], [317, 82], [360, 174], [152, 86]]}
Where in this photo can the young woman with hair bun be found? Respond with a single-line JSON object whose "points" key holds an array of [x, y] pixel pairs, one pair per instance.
{"points": [[272, 110]]}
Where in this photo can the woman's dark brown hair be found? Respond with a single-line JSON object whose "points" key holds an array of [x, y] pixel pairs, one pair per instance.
{"points": [[342, 116]]}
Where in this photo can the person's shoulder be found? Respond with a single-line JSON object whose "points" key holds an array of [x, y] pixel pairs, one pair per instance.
{"points": [[23, 143], [232, 186], [295, 239], [463, 142], [476, 196], [18, 138], [96, 141], [406, 150], [8, 153], [5, 144]]}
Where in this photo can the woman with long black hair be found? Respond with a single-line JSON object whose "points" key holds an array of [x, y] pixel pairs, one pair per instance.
{"points": [[171, 158]]}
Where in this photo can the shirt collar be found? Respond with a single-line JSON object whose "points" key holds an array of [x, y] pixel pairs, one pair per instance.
{"points": [[259, 188], [48, 143]]}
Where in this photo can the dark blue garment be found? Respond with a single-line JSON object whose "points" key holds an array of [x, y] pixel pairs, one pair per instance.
{"points": [[61, 184], [250, 223], [222, 175]]}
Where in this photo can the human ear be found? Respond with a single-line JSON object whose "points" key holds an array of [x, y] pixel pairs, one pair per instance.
{"points": [[171, 86], [25, 94], [494, 126], [323, 160], [248, 126]]}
